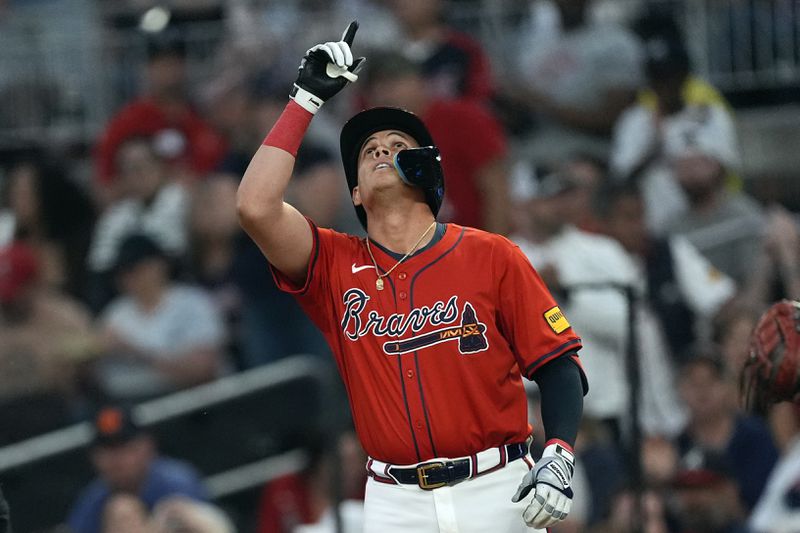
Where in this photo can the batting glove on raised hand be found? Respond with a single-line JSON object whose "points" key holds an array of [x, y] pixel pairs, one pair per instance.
{"points": [[325, 70], [550, 481]]}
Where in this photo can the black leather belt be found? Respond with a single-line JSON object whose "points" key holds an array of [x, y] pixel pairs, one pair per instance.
{"points": [[435, 474]]}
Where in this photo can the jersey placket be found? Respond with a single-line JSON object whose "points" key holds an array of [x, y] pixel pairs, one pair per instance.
{"points": [[410, 372], [398, 298]]}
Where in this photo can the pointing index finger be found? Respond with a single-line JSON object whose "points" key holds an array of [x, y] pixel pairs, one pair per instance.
{"points": [[350, 33]]}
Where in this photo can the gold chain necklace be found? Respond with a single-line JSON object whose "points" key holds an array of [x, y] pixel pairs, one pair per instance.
{"points": [[379, 281]]}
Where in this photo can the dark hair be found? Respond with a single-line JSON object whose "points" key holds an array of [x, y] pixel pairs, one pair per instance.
{"points": [[67, 214], [64, 206], [707, 355], [135, 249], [607, 195]]}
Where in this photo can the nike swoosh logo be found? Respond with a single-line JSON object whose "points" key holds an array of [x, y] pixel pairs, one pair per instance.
{"points": [[359, 269]]}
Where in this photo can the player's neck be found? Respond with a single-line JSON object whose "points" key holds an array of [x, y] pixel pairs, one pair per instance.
{"points": [[399, 229]]}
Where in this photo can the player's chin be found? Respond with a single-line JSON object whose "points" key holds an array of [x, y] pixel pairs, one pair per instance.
{"points": [[386, 180], [385, 175]]}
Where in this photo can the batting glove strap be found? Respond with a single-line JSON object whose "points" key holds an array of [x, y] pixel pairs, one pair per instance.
{"points": [[566, 492], [305, 99], [560, 462]]}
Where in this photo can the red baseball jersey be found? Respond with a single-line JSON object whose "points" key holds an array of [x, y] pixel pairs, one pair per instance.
{"points": [[432, 364]]}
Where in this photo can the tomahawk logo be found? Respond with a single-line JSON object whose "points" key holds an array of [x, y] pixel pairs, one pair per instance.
{"points": [[470, 335]]}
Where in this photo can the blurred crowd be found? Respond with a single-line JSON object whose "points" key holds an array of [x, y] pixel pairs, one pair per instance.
{"points": [[124, 275]]}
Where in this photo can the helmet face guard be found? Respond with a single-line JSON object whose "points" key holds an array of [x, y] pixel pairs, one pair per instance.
{"points": [[422, 167]]}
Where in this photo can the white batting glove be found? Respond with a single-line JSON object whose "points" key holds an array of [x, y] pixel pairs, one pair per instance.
{"points": [[340, 58], [550, 481]]}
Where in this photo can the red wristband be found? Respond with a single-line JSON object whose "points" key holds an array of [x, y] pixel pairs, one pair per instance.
{"points": [[289, 129]]}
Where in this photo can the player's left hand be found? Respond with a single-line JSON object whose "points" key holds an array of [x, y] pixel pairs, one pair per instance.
{"points": [[550, 482]]}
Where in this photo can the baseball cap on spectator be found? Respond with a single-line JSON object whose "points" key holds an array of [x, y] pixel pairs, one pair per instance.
{"points": [[529, 182], [114, 425], [165, 44], [169, 143], [19, 269], [703, 130], [135, 249], [665, 53], [665, 56], [700, 468]]}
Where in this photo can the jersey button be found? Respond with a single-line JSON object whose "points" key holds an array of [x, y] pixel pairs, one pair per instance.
{"points": [[402, 275], [410, 374], [419, 424], [403, 295]]}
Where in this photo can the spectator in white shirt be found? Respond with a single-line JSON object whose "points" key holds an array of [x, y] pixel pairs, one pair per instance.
{"points": [[158, 336], [674, 100], [683, 293], [726, 226], [684, 290], [777, 510], [569, 259]]}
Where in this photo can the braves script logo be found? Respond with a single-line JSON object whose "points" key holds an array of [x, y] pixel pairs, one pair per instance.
{"points": [[469, 332]]}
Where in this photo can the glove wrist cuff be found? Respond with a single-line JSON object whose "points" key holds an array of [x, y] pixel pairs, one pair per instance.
{"points": [[559, 448], [305, 99], [564, 444]]}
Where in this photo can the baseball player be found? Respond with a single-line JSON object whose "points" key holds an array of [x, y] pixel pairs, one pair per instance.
{"points": [[432, 325]]}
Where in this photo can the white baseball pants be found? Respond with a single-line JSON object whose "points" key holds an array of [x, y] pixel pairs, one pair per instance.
{"points": [[478, 505]]}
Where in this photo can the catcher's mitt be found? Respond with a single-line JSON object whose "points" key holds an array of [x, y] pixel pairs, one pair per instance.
{"points": [[772, 371]]}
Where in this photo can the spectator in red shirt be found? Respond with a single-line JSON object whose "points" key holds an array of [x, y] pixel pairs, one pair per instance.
{"points": [[165, 113], [305, 497], [453, 62], [470, 139]]}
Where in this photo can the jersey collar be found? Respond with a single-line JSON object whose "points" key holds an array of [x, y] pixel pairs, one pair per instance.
{"points": [[442, 233]]}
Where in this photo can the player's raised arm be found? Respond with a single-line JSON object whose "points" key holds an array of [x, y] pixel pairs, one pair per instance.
{"points": [[280, 231]]}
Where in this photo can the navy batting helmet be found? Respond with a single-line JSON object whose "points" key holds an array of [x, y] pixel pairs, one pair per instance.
{"points": [[419, 167]]}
